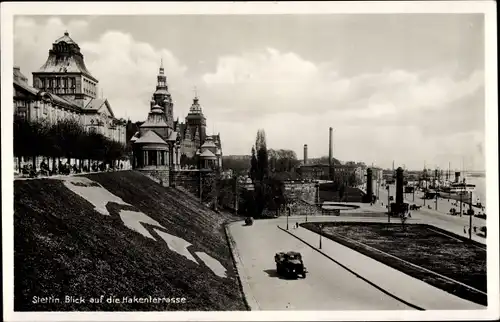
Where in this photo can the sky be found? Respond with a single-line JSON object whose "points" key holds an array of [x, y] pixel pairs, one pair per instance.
{"points": [[402, 87]]}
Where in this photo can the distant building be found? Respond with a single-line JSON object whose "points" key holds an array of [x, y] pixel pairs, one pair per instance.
{"points": [[64, 88], [341, 172]]}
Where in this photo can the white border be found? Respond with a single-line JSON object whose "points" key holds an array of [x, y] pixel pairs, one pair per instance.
{"points": [[8, 10]]}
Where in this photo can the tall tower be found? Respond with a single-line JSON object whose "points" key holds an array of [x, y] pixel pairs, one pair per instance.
{"points": [[196, 121], [65, 74], [162, 97]]}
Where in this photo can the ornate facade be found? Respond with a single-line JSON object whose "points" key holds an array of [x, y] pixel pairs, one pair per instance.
{"points": [[64, 88], [161, 142]]}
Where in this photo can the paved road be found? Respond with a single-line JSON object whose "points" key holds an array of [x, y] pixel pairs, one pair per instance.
{"points": [[328, 286]]}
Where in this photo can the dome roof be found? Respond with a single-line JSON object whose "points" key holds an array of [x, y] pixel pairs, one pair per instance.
{"points": [[195, 107], [65, 39], [209, 143], [157, 109], [150, 137], [207, 155]]}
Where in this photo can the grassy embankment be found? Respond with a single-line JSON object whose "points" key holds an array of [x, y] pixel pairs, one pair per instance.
{"points": [[63, 247], [429, 247]]}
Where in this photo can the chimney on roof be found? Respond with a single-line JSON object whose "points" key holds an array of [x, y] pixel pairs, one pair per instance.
{"points": [[305, 154]]}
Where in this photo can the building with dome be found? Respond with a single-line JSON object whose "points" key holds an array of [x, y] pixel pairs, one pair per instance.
{"points": [[64, 88], [163, 146]]}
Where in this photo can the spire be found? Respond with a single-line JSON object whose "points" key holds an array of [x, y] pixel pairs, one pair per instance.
{"points": [[195, 107], [161, 66]]}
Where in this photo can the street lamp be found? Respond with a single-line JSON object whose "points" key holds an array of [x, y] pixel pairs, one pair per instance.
{"points": [[470, 216], [388, 204], [436, 200], [287, 215], [320, 233]]}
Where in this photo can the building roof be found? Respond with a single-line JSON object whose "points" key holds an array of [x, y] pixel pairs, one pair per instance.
{"points": [[172, 136], [150, 137], [150, 123], [209, 143], [36, 92], [95, 104], [65, 39], [157, 109], [71, 62], [26, 87], [19, 76], [207, 155], [162, 91], [195, 107]]}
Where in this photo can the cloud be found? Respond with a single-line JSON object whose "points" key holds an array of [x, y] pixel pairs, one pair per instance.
{"points": [[126, 68], [32, 40], [272, 82], [406, 115]]}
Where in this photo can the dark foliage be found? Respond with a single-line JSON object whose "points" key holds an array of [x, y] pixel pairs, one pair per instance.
{"points": [[66, 138]]}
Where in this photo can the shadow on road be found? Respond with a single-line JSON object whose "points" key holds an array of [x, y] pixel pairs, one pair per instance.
{"points": [[274, 273]]}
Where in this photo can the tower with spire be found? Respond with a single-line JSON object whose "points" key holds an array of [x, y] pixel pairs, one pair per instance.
{"points": [[162, 97], [196, 122]]}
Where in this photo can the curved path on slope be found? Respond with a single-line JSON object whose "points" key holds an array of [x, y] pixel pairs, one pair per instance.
{"points": [[327, 286]]}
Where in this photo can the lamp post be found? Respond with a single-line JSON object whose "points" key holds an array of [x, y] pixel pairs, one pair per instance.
{"points": [[436, 200], [287, 215], [470, 216], [388, 204], [320, 233]]}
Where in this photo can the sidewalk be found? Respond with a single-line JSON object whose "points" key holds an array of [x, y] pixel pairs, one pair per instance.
{"points": [[391, 280]]}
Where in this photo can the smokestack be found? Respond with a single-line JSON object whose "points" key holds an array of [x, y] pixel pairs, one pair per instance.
{"points": [[305, 154], [330, 152], [399, 186]]}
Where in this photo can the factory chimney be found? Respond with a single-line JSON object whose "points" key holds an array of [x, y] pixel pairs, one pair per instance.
{"points": [[305, 154], [330, 153]]}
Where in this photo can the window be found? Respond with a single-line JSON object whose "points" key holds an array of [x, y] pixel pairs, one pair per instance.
{"points": [[42, 80], [92, 129], [65, 82]]}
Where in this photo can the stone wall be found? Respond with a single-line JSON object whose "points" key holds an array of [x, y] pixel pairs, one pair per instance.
{"points": [[189, 180], [300, 190], [160, 176]]}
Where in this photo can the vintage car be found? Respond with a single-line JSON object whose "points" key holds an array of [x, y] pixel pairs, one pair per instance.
{"points": [[249, 221], [290, 264]]}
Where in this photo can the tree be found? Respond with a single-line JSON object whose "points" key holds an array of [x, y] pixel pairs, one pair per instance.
{"points": [[253, 165], [262, 157]]}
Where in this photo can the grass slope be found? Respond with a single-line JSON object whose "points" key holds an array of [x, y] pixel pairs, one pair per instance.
{"points": [[426, 246], [63, 247]]}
